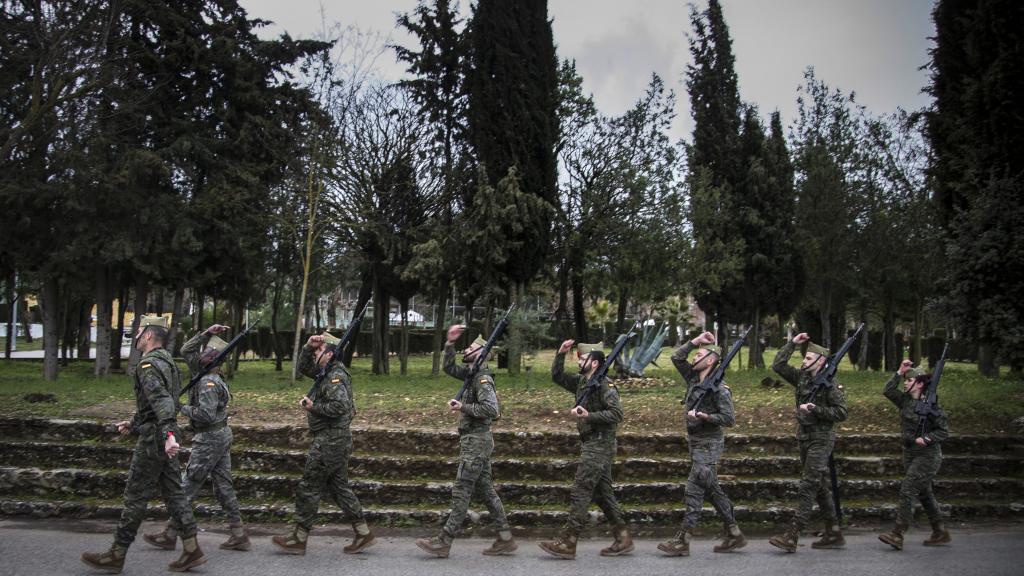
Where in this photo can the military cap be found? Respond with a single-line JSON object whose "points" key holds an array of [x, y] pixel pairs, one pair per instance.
{"points": [[480, 342], [146, 321], [216, 343], [817, 349], [584, 349], [912, 373], [330, 339], [713, 348]]}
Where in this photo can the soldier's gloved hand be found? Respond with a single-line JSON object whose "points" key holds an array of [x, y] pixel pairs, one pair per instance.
{"points": [[454, 405], [124, 427], [801, 338], [566, 346], [904, 366], [455, 332], [580, 412], [306, 403], [217, 329], [171, 446], [806, 408]]}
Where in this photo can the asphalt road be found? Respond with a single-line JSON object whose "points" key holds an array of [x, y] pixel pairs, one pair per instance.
{"points": [[30, 547]]}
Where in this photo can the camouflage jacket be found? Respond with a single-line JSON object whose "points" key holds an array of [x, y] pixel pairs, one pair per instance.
{"points": [[717, 405], [829, 408], [157, 387], [937, 427], [208, 399], [480, 402], [333, 406], [604, 408]]}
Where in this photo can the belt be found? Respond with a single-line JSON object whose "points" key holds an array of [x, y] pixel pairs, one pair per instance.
{"points": [[215, 426]]}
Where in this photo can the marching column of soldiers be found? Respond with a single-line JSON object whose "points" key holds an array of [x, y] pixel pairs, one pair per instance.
{"points": [[330, 408]]}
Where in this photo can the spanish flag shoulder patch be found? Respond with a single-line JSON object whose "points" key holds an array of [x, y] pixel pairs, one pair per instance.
{"points": [[146, 365], [211, 384], [335, 380]]}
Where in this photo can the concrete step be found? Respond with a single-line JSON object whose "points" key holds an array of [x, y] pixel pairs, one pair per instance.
{"points": [[278, 461], [508, 444], [94, 483], [521, 518]]}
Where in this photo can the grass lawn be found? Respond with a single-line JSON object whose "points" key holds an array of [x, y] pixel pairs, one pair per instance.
{"points": [[529, 401], [23, 345]]}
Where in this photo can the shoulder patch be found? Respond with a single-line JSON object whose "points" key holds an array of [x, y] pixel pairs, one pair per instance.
{"points": [[840, 386], [726, 387], [483, 380], [211, 384], [146, 365], [612, 385], [335, 380]]}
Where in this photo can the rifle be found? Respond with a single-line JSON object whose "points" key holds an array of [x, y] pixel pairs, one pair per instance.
{"points": [[218, 359], [928, 404], [823, 380], [481, 357], [713, 383], [594, 383], [350, 333]]}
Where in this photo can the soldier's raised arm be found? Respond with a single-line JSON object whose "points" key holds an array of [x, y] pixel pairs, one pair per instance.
{"points": [[191, 350], [679, 360], [570, 382], [450, 367], [781, 363], [307, 358], [892, 387]]}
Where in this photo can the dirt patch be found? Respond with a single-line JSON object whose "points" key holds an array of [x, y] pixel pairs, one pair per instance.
{"points": [[114, 410]]}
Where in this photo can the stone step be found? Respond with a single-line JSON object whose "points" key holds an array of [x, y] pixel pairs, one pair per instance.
{"points": [[276, 461], [522, 519], [445, 443], [93, 483]]}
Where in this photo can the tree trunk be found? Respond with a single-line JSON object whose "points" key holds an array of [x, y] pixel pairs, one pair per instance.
{"points": [[917, 349], [620, 316], [141, 296], [862, 361], [104, 313], [403, 352], [84, 329], [238, 316], [988, 364], [562, 311], [118, 337], [26, 318], [198, 300], [512, 336], [275, 309], [439, 333], [756, 351], [49, 302], [889, 340], [381, 307], [177, 309], [578, 311], [10, 293]]}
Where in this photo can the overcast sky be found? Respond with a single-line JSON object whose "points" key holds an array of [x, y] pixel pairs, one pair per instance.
{"points": [[872, 47]]}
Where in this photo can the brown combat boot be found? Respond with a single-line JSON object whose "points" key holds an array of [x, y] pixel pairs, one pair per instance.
{"points": [[623, 543], [293, 542], [239, 539], [939, 535], [165, 540], [502, 547], [439, 546], [110, 561], [734, 539], [786, 541], [679, 545], [191, 556], [564, 547], [832, 539], [894, 537], [361, 540]]}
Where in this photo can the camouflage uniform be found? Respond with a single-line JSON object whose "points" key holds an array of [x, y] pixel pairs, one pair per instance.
{"points": [[157, 386], [816, 436], [211, 443], [327, 461], [479, 408], [593, 480], [920, 462], [706, 443]]}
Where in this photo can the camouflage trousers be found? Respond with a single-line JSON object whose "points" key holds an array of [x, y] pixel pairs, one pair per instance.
{"points": [[814, 479], [326, 471], [211, 459], [921, 465], [703, 481], [474, 479], [593, 482], [151, 470]]}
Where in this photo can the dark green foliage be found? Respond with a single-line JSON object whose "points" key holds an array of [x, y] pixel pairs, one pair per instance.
{"points": [[977, 133]]}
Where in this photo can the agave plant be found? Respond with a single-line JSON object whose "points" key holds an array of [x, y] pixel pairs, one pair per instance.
{"points": [[645, 352]]}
